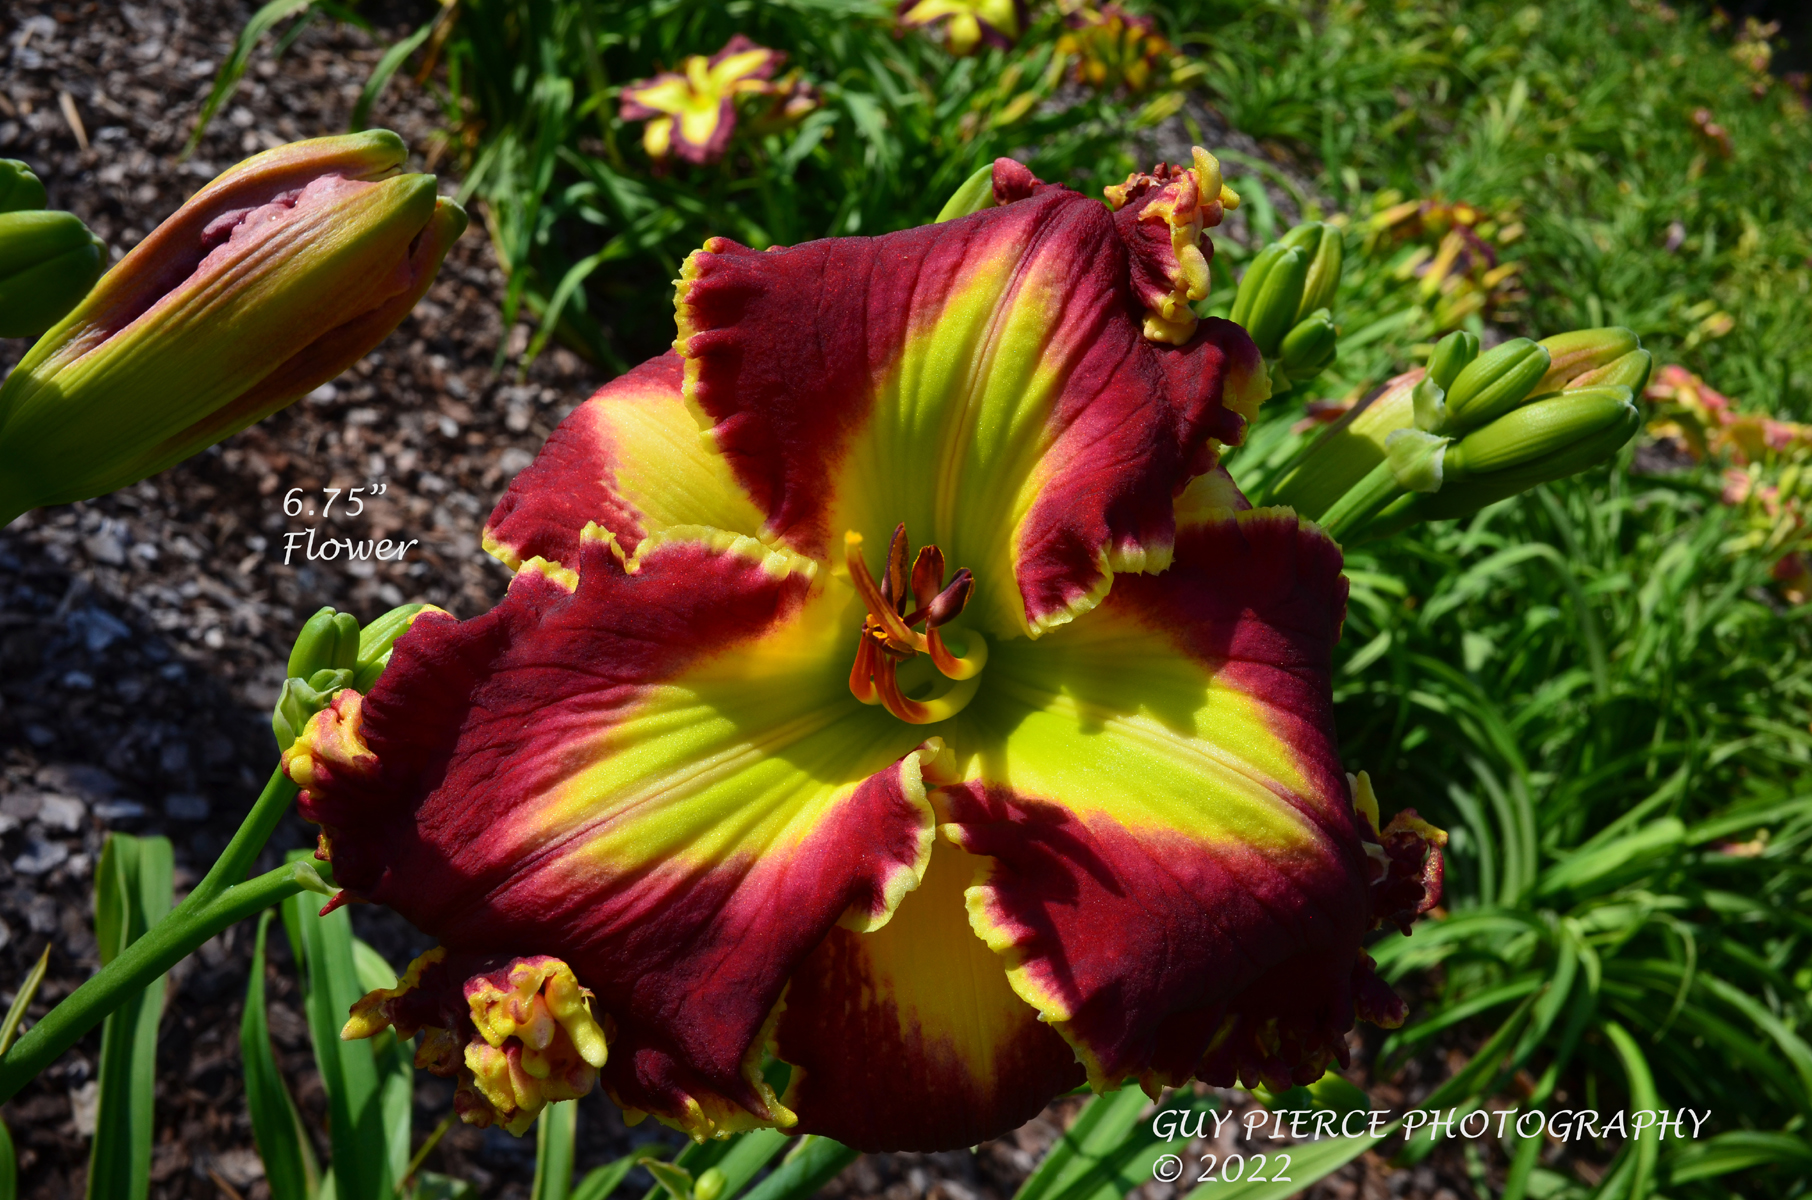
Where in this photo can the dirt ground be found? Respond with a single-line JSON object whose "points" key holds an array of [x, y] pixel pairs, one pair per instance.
{"points": [[142, 635]]}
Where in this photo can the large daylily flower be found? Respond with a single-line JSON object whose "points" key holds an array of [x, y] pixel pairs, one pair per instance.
{"points": [[940, 721]]}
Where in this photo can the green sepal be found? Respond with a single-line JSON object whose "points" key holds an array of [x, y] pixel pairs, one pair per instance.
{"points": [[975, 194], [20, 189]]}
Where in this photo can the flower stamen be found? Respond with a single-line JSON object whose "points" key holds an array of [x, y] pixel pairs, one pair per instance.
{"points": [[890, 637]]}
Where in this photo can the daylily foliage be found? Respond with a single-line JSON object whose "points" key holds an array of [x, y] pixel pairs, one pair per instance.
{"points": [[734, 778]]}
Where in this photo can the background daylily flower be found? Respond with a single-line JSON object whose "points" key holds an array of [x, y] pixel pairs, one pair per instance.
{"points": [[1114, 48], [942, 723], [692, 112], [968, 24]]}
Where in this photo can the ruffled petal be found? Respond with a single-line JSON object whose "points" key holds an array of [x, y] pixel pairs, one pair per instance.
{"points": [[909, 1037], [629, 459], [648, 768], [1177, 869], [987, 381]]}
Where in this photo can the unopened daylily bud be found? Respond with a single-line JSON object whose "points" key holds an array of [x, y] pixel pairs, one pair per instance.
{"points": [[48, 261], [1451, 355], [710, 1184], [377, 640], [1630, 371], [270, 281], [1274, 300], [1573, 354], [329, 641], [1310, 344], [1324, 246], [1542, 441], [1268, 295], [1546, 432], [20, 190], [976, 193], [1494, 383]]}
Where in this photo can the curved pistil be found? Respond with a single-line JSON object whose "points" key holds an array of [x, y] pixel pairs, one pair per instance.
{"points": [[890, 635]]}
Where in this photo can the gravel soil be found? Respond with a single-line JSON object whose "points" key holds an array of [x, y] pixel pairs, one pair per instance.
{"points": [[142, 635]]}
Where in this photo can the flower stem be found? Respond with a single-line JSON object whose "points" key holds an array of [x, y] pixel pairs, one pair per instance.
{"points": [[1361, 502], [216, 903]]}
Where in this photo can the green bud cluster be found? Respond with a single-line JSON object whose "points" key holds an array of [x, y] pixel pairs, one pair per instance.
{"points": [[1285, 302], [1471, 429], [331, 653], [48, 260]]}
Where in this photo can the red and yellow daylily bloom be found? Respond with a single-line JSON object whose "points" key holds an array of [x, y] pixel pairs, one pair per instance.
{"points": [[940, 721], [692, 112], [968, 24]]}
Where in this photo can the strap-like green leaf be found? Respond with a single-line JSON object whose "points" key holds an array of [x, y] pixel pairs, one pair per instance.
{"points": [[289, 1160], [227, 78], [133, 889], [380, 74], [811, 1164], [554, 1131], [600, 1182], [363, 1149]]}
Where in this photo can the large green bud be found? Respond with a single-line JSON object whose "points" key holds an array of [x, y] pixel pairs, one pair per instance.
{"points": [[1574, 354], [20, 190], [1323, 245], [1494, 383], [48, 261], [1265, 304], [270, 281]]}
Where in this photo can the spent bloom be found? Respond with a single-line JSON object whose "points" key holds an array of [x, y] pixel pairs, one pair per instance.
{"points": [[691, 113], [968, 24], [271, 280], [942, 724]]}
